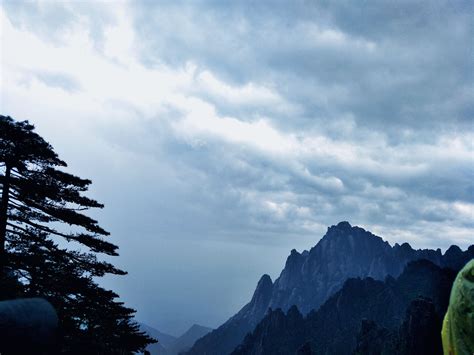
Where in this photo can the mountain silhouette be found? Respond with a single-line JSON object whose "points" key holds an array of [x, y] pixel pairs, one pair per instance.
{"points": [[366, 316], [311, 277], [170, 345]]}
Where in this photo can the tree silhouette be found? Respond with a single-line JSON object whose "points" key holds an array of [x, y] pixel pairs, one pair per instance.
{"points": [[39, 204]]}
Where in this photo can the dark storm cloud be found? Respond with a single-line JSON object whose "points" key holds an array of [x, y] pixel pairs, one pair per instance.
{"points": [[404, 65]]}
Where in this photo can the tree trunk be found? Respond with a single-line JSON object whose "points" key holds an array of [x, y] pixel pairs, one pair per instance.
{"points": [[4, 218]]}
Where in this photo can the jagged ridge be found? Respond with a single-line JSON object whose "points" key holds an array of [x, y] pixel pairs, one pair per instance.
{"points": [[311, 277], [371, 308]]}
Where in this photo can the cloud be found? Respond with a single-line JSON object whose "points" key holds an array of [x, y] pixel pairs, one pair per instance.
{"points": [[58, 80], [410, 59]]}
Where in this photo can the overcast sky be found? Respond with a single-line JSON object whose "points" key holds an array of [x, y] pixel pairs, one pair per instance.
{"points": [[220, 135]]}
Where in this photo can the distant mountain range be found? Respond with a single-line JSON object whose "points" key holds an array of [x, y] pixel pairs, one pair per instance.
{"points": [[170, 345], [395, 316], [310, 278]]}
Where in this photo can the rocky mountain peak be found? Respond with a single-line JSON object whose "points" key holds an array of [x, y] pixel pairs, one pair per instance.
{"points": [[310, 278], [344, 225], [260, 299], [338, 230], [344, 238], [294, 314], [264, 285], [453, 250], [295, 260]]}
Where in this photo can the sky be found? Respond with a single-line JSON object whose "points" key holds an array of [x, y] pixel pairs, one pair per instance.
{"points": [[221, 135]]}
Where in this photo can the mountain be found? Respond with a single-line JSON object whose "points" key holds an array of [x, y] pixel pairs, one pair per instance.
{"points": [[311, 277], [187, 340], [170, 345], [366, 316], [418, 334], [164, 340]]}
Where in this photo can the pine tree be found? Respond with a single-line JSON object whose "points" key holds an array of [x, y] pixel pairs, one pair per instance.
{"points": [[38, 201]]}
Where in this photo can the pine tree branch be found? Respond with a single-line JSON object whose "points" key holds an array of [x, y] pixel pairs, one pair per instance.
{"points": [[41, 228]]}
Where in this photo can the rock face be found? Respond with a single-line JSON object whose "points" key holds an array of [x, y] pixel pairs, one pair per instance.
{"points": [[365, 317], [311, 277], [419, 334], [421, 322]]}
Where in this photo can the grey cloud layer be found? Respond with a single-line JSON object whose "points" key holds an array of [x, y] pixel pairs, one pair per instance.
{"points": [[382, 88], [403, 64]]}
